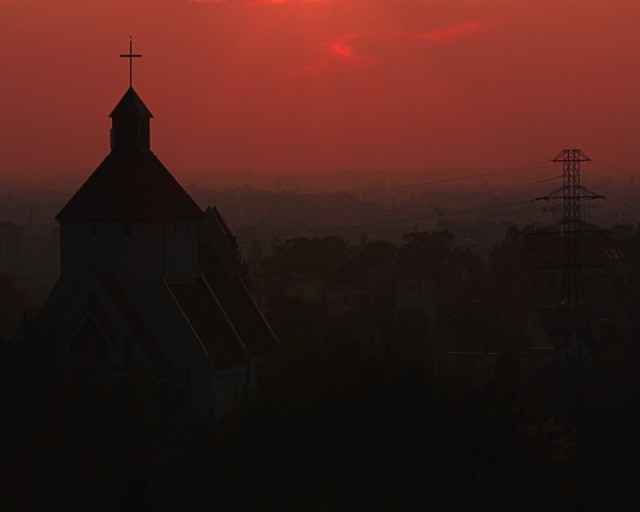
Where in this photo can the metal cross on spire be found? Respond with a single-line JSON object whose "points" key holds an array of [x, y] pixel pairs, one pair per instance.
{"points": [[131, 56]]}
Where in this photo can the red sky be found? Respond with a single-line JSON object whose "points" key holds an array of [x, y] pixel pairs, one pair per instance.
{"points": [[323, 84]]}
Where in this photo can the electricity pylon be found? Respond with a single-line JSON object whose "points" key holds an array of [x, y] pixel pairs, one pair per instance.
{"points": [[572, 329]]}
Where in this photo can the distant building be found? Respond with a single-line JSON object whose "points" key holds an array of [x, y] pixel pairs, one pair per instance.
{"points": [[11, 247], [148, 280]]}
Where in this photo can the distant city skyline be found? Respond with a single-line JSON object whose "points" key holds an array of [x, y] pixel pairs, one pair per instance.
{"points": [[322, 85]]}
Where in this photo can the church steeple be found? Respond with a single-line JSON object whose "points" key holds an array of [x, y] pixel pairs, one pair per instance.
{"points": [[130, 129], [131, 184], [130, 119]]}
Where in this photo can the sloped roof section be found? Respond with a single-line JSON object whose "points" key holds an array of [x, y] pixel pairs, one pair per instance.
{"points": [[210, 323], [130, 186], [131, 105], [214, 213], [239, 306]]}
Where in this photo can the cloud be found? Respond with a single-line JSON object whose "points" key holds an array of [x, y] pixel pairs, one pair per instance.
{"points": [[449, 34], [372, 48], [368, 45], [344, 50]]}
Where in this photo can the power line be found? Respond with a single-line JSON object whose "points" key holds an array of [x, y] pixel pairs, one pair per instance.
{"points": [[333, 231], [396, 221], [613, 167], [620, 203], [431, 204], [384, 188], [311, 195], [606, 177]]}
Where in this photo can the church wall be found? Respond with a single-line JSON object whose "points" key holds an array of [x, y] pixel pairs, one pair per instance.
{"points": [[139, 260], [182, 250], [134, 249], [129, 249]]}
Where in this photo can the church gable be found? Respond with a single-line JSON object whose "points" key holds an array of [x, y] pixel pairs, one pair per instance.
{"points": [[133, 319], [88, 343], [92, 308], [133, 187], [100, 324]]}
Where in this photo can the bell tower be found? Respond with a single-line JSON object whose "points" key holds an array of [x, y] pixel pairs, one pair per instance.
{"points": [[130, 130], [130, 119]]}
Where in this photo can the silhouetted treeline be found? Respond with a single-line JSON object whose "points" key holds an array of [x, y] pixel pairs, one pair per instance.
{"points": [[327, 430], [354, 414], [433, 254]]}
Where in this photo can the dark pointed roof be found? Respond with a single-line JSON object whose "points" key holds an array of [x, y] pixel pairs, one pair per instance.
{"points": [[131, 106], [130, 186]]}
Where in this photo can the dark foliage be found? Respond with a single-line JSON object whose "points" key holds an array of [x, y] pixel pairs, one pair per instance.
{"points": [[332, 428], [340, 422]]}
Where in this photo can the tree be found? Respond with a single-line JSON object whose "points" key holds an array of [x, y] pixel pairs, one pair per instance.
{"points": [[458, 273]]}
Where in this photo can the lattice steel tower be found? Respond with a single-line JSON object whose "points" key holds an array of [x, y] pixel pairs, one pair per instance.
{"points": [[572, 330]]}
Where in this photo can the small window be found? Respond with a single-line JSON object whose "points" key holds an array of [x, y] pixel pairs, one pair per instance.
{"points": [[126, 230], [93, 230]]}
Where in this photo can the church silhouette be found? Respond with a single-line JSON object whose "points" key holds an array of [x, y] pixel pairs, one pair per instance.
{"points": [[148, 280]]}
